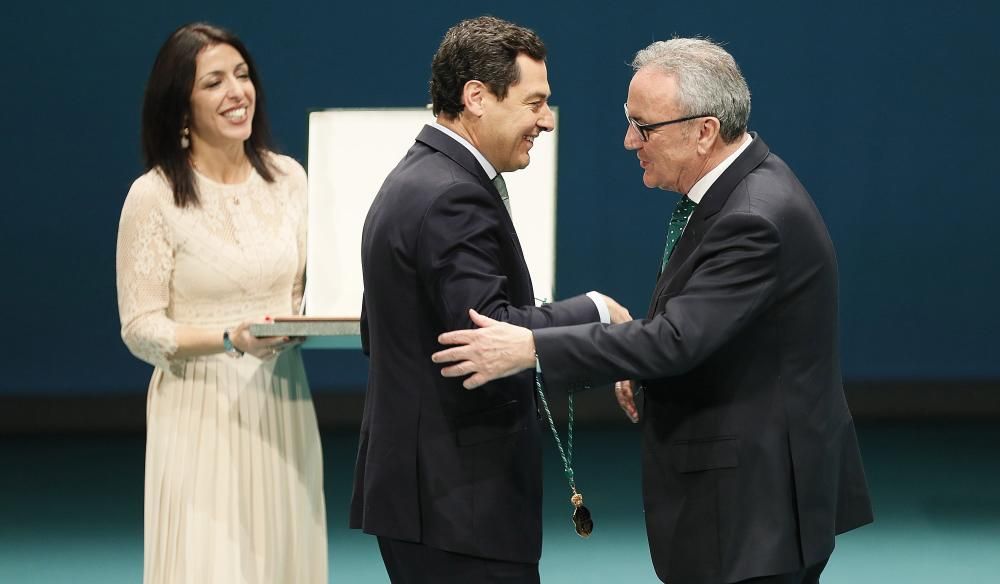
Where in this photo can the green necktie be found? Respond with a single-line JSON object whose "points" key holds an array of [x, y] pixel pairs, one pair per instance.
{"points": [[501, 186], [678, 219]]}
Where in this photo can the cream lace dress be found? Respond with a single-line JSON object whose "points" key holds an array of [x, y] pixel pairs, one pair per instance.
{"points": [[234, 476]]}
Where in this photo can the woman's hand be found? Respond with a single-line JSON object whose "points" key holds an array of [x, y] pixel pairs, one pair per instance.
{"points": [[263, 348]]}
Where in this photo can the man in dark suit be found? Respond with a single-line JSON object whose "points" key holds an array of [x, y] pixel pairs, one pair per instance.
{"points": [[450, 480], [750, 458]]}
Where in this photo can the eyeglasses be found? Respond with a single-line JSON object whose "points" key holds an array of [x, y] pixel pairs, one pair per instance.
{"points": [[644, 129]]}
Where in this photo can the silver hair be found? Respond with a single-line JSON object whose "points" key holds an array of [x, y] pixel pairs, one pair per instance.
{"points": [[709, 81]]}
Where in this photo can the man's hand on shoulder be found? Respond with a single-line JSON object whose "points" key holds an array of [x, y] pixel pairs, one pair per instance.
{"points": [[496, 350]]}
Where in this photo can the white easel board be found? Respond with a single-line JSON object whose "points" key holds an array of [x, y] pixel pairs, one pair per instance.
{"points": [[350, 153]]}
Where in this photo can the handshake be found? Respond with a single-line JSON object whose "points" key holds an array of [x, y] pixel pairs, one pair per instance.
{"points": [[498, 349]]}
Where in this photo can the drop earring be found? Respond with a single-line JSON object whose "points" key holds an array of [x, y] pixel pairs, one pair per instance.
{"points": [[185, 141]]}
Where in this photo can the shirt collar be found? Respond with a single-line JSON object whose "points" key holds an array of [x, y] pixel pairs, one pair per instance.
{"points": [[490, 171], [704, 183]]}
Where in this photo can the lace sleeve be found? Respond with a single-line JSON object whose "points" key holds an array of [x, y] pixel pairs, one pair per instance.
{"points": [[299, 194], [144, 264]]}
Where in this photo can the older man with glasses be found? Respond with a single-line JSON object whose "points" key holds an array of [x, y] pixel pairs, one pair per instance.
{"points": [[750, 459]]}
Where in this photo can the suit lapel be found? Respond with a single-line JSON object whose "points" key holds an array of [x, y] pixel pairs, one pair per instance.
{"points": [[703, 215]]}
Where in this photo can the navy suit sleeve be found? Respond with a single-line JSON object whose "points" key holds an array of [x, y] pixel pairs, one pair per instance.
{"points": [[734, 281], [462, 264]]}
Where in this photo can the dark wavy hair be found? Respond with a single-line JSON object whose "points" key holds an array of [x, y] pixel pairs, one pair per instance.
{"points": [[484, 49], [167, 106]]}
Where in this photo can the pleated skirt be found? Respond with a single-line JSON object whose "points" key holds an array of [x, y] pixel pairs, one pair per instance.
{"points": [[234, 474]]}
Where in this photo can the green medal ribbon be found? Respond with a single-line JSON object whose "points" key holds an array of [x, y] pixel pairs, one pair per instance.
{"points": [[581, 515]]}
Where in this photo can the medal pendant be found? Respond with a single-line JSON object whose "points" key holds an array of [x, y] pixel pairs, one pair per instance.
{"points": [[582, 520]]}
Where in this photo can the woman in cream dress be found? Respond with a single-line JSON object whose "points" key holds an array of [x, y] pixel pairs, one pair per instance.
{"points": [[211, 239]]}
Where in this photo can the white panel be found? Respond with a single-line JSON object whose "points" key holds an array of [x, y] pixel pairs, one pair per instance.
{"points": [[350, 153]]}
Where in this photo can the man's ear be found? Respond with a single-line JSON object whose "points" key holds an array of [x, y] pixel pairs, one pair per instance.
{"points": [[473, 97], [708, 134]]}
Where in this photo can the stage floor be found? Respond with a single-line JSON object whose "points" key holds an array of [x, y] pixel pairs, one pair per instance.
{"points": [[71, 509]]}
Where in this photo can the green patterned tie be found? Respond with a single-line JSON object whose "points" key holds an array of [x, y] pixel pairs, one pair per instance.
{"points": [[679, 218], [501, 186]]}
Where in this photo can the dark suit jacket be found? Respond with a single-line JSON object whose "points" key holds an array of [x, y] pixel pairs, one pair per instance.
{"points": [[750, 459], [454, 469]]}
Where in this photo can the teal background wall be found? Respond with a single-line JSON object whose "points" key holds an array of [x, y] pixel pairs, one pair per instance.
{"points": [[886, 110]]}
